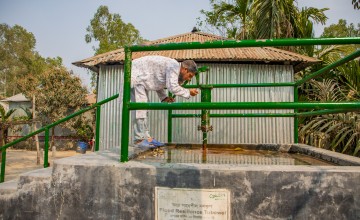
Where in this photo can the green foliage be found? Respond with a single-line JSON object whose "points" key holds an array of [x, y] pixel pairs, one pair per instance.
{"points": [[17, 55], [110, 31], [29, 114], [341, 29], [5, 118], [230, 19], [84, 130], [254, 19], [356, 4], [58, 92], [338, 132]]}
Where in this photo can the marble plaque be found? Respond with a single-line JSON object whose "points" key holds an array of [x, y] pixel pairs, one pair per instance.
{"points": [[184, 204]]}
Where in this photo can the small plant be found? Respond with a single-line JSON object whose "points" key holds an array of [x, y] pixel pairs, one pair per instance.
{"points": [[84, 131]]}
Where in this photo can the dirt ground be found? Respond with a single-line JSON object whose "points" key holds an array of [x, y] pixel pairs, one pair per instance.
{"points": [[21, 161]]}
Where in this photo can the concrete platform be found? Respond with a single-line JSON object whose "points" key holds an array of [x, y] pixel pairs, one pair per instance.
{"points": [[97, 186]]}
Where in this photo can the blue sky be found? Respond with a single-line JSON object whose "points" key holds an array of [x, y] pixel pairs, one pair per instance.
{"points": [[60, 26]]}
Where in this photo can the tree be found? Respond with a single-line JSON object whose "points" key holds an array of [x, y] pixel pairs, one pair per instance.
{"points": [[339, 132], [230, 19], [110, 31], [17, 54], [356, 4], [249, 19], [348, 74], [58, 92], [341, 29]]}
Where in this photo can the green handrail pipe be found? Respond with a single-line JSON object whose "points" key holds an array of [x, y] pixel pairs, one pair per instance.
{"points": [[246, 43], [323, 112], [243, 85], [337, 63], [238, 115], [245, 105]]}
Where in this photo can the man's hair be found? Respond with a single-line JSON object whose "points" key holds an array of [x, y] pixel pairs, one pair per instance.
{"points": [[190, 65]]}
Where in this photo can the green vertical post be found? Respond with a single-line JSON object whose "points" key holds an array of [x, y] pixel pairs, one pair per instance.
{"points": [[205, 114], [46, 147], [97, 128], [169, 124], [296, 118], [3, 163], [125, 111]]}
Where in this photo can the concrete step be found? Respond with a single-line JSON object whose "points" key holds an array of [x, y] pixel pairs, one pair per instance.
{"points": [[35, 177], [8, 187]]}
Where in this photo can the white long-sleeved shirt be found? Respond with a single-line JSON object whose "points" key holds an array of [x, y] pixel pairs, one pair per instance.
{"points": [[156, 73]]}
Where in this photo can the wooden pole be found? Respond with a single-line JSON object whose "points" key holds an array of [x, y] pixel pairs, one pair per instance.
{"points": [[38, 155]]}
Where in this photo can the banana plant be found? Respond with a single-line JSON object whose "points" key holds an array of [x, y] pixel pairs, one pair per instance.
{"points": [[4, 123]]}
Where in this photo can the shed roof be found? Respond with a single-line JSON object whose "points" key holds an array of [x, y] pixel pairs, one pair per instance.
{"points": [[241, 54], [16, 98]]}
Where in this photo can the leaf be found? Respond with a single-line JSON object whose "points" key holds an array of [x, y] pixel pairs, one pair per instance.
{"points": [[349, 141], [357, 148], [343, 136]]}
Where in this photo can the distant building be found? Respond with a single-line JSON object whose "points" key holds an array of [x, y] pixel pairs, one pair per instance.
{"points": [[17, 102]]}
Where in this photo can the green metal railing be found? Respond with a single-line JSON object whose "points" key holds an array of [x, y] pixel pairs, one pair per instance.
{"points": [[322, 107], [47, 128]]}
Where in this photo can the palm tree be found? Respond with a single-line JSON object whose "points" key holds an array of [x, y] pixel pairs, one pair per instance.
{"points": [[272, 18], [338, 132], [249, 19], [303, 26], [238, 11], [356, 4]]}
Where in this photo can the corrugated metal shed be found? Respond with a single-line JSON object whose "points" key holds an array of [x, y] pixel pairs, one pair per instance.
{"points": [[227, 66], [253, 54], [226, 130]]}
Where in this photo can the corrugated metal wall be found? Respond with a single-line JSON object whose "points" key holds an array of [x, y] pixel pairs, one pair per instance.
{"points": [[110, 79], [226, 130]]}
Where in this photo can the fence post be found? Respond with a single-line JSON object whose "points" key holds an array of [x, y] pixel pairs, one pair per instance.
{"points": [[46, 147], [3, 162], [125, 111], [169, 124], [97, 128], [296, 118]]}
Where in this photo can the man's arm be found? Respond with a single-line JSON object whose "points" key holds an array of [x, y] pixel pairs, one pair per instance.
{"points": [[162, 94], [172, 84]]}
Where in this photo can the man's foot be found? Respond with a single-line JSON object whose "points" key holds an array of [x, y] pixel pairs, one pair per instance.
{"points": [[156, 143], [145, 144]]}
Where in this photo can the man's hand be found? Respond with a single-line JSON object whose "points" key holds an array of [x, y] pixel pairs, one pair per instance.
{"points": [[193, 92], [168, 99]]}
